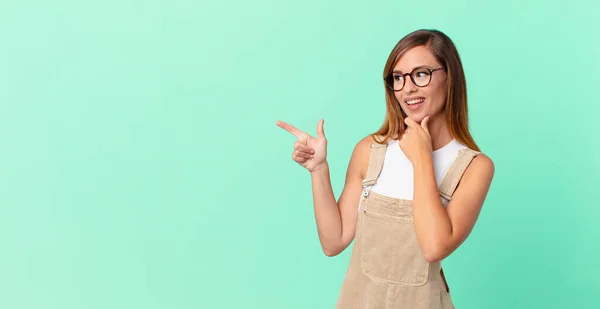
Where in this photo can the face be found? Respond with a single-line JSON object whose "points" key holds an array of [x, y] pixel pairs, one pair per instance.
{"points": [[418, 102]]}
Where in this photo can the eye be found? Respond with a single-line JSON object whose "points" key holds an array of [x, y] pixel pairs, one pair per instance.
{"points": [[421, 73]]}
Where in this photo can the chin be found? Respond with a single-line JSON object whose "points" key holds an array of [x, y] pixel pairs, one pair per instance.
{"points": [[416, 116]]}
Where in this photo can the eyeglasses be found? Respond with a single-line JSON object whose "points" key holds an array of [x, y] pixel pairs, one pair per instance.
{"points": [[420, 76]]}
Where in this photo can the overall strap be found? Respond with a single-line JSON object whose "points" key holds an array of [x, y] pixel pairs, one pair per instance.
{"points": [[376, 158], [455, 172]]}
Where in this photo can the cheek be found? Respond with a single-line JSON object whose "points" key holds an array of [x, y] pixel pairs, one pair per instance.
{"points": [[438, 94], [398, 96]]}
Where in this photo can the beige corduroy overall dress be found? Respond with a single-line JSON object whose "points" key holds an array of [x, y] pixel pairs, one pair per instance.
{"points": [[387, 268]]}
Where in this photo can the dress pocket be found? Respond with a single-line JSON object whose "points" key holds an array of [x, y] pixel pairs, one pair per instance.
{"points": [[389, 248]]}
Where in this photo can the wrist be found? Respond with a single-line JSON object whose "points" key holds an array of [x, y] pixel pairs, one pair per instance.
{"points": [[423, 162], [319, 168]]}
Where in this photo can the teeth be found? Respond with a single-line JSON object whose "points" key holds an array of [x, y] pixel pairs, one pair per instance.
{"points": [[415, 101]]}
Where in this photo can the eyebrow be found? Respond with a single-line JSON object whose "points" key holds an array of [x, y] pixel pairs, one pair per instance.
{"points": [[419, 66]]}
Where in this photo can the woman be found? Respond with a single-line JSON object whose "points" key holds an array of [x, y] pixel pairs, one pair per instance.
{"points": [[419, 182]]}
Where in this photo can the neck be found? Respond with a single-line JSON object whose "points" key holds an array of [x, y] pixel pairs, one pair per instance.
{"points": [[438, 129]]}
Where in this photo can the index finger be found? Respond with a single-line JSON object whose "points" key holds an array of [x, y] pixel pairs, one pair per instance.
{"points": [[409, 122], [290, 128]]}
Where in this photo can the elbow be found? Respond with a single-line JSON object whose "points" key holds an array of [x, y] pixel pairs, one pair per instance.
{"points": [[333, 249], [432, 257], [434, 254], [437, 249], [331, 252]]}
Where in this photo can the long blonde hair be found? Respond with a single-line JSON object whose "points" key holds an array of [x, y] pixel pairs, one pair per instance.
{"points": [[456, 109]]}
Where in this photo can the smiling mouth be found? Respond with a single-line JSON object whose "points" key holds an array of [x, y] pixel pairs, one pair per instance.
{"points": [[415, 101]]}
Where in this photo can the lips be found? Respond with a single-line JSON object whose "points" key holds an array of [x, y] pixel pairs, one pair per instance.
{"points": [[414, 100], [414, 103]]}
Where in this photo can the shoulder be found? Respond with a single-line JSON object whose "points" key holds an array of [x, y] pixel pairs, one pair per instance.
{"points": [[482, 161], [362, 148], [482, 167], [366, 142], [360, 155], [364, 145]]}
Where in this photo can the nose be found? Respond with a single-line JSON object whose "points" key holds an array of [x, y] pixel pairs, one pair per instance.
{"points": [[409, 87]]}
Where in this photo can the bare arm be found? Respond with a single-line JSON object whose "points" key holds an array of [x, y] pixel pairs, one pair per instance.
{"points": [[441, 230], [336, 221]]}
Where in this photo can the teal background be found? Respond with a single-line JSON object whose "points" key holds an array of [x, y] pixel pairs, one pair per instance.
{"points": [[141, 166]]}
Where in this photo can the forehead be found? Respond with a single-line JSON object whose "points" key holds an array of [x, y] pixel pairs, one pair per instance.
{"points": [[414, 57]]}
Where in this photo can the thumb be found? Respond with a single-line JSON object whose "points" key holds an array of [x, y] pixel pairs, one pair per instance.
{"points": [[424, 123], [320, 132]]}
